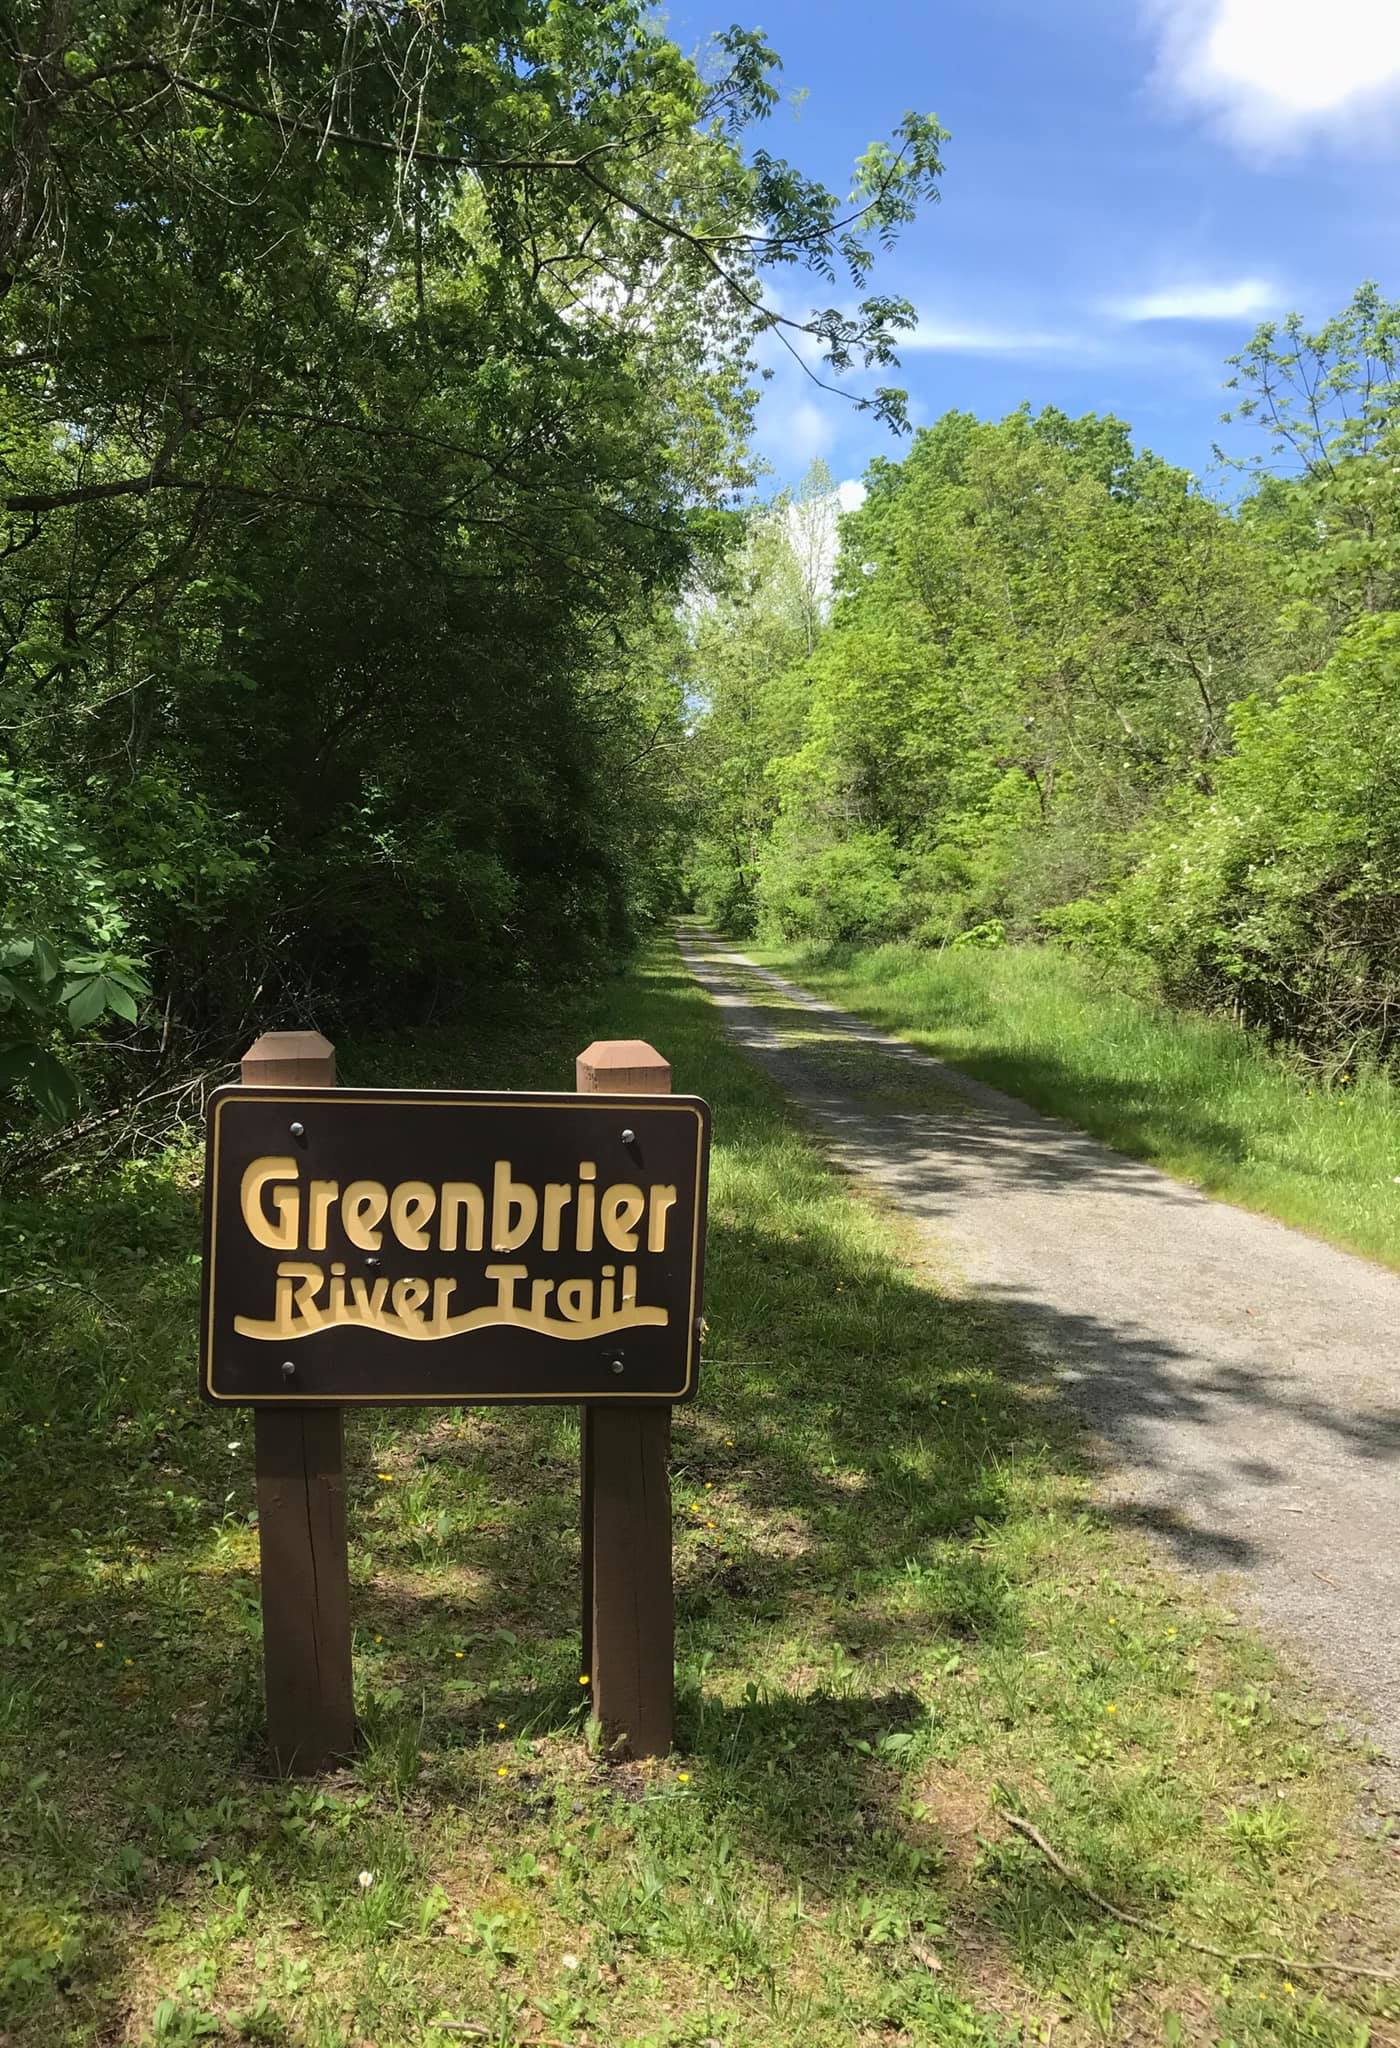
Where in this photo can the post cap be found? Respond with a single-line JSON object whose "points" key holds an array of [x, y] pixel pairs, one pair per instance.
{"points": [[291, 1059], [622, 1066]]}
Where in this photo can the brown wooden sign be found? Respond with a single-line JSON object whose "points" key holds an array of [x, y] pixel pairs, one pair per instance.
{"points": [[394, 1246]]}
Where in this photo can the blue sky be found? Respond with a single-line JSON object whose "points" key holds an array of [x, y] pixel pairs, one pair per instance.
{"points": [[1131, 186]]}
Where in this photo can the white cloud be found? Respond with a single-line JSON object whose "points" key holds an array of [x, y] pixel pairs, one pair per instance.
{"points": [[1275, 70], [851, 494], [973, 339], [1245, 299]]}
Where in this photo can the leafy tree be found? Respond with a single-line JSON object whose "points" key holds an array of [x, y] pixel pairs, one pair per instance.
{"points": [[1278, 894], [1328, 404], [371, 380]]}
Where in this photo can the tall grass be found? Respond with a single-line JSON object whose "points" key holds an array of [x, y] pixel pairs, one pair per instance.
{"points": [[1197, 1096]]}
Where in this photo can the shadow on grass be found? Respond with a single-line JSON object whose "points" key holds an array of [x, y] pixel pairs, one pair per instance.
{"points": [[851, 1421]]}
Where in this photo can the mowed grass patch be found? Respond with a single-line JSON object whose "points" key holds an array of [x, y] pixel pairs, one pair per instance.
{"points": [[900, 1618], [1197, 1096]]}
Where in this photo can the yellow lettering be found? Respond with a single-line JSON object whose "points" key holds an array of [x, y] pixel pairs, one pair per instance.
{"points": [[540, 1291], [505, 1278], [362, 1211], [458, 1195], [587, 1205], [295, 1310], [557, 1196], [663, 1200], [368, 1300], [508, 1231], [575, 1299], [411, 1207], [622, 1207], [281, 1235], [318, 1208], [408, 1298], [440, 1319]]}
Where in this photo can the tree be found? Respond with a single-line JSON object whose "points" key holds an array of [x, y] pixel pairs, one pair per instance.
{"points": [[369, 378], [1328, 402]]}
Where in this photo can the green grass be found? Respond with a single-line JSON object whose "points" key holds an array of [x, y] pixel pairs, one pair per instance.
{"points": [[1196, 1096], [899, 1617]]}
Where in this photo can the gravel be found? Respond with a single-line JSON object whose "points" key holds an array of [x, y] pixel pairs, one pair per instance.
{"points": [[1241, 1378]]}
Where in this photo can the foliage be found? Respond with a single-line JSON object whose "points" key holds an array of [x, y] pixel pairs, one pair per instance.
{"points": [[1279, 894], [372, 383], [1058, 692], [61, 970]]}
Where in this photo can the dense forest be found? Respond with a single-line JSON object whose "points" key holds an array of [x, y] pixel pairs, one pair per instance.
{"points": [[1062, 691], [373, 382], [380, 620]]}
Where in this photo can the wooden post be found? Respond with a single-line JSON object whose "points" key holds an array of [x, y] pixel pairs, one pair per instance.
{"points": [[629, 1627], [300, 1461]]}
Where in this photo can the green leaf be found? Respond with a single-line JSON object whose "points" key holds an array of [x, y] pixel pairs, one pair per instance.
{"points": [[86, 1000], [24, 1064]]}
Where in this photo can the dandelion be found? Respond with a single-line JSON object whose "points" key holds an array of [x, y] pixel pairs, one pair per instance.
{"points": [[365, 1880], [583, 1678], [459, 1654], [128, 1660], [1170, 1633], [709, 1486], [99, 1644], [379, 1639], [570, 1962], [385, 1478], [501, 1771], [500, 1724], [682, 1777], [1111, 1708], [729, 1441], [1288, 1989]]}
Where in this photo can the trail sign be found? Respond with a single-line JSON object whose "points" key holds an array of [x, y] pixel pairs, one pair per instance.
{"points": [[367, 1245]]}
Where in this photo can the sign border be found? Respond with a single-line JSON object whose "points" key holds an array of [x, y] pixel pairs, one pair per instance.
{"points": [[408, 1098]]}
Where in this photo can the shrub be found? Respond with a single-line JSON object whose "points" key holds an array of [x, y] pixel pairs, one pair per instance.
{"points": [[843, 890], [1278, 895]]}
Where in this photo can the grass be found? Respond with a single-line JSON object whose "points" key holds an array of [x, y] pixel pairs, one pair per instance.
{"points": [[900, 1617], [1196, 1096]]}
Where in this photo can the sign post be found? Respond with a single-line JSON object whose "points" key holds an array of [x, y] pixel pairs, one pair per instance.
{"points": [[304, 1565], [629, 1624], [402, 1246]]}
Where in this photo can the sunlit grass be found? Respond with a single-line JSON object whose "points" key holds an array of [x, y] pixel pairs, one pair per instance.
{"points": [[1196, 1096], [899, 1616]]}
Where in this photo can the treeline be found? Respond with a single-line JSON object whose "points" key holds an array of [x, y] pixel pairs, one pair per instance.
{"points": [[1061, 691], [372, 381]]}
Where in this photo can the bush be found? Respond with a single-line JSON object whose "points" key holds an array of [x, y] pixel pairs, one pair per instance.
{"points": [[850, 889], [1278, 895]]}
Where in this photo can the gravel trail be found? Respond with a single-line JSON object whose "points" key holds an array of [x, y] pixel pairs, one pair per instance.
{"points": [[1243, 1379]]}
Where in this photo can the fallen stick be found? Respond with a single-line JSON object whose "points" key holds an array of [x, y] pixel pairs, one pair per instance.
{"points": [[1224, 1955], [480, 2033]]}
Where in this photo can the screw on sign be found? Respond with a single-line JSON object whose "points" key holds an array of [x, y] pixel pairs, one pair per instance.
{"points": [[376, 1246]]}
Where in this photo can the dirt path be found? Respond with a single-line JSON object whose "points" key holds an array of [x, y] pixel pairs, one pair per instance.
{"points": [[1244, 1378]]}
